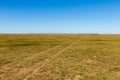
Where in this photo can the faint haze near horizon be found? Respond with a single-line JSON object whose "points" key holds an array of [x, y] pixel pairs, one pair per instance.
{"points": [[60, 16]]}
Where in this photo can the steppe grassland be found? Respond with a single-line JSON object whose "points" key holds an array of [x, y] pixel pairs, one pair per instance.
{"points": [[59, 57]]}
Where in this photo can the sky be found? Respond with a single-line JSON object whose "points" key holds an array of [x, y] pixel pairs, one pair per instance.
{"points": [[60, 16]]}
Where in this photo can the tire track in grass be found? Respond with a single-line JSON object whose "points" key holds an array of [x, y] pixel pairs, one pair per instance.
{"points": [[39, 66], [38, 54], [30, 58], [27, 58], [23, 59]]}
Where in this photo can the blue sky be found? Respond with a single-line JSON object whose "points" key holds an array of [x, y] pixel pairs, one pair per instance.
{"points": [[60, 16]]}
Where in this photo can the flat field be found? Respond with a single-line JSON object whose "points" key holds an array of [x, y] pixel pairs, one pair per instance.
{"points": [[59, 57]]}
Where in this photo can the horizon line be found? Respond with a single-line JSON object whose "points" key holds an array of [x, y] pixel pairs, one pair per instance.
{"points": [[69, 33]]}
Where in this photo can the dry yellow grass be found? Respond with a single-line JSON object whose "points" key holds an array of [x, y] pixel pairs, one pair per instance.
{"points": [[59, 57]]}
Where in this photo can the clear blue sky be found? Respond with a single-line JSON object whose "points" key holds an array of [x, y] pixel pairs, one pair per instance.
{"points": [[59, 16]]}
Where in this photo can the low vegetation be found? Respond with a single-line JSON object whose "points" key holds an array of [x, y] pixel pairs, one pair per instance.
{"points": [[59, 57]]}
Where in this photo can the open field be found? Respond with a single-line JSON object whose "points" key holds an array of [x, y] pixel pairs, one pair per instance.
{"points": [[59, 57]]}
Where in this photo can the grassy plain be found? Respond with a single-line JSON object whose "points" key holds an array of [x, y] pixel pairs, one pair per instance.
{"points": [[59, 57]]}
